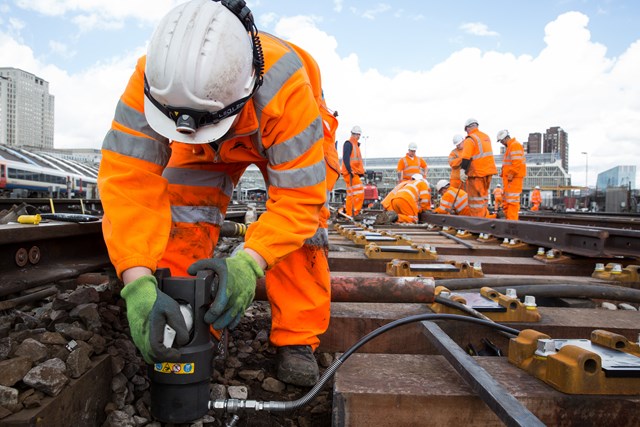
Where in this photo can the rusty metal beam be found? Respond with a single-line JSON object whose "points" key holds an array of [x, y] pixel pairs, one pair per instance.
{"points": [[373, 289], [579, 240]]}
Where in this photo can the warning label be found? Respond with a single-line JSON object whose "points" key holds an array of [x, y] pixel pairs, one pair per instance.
{"points": [[175, 368]]}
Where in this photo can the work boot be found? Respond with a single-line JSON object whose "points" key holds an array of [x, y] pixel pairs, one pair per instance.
{"points": [[297, 365]]}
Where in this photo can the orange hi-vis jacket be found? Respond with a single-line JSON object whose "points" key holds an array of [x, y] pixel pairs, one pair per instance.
{"points": [[279, 129], [408, 167], [454, 202], [386, 202], [355, 161], [416, 192], [477, 148], [497, 194], [513, 163], [536, 197], [455, 160]]}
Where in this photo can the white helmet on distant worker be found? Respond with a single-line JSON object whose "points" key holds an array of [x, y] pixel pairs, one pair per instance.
{"points": [[498, 185], [200, 71], [413, 146], [356, 130], [443, 183], [470, 122], [502, 135], [417, 177], [457, 139], [537, 187]]}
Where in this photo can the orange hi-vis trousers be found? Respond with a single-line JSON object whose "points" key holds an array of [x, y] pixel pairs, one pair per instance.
{"points": [[512, 191], [355, 195], [407, 211], [478, 192], [298, 287]]}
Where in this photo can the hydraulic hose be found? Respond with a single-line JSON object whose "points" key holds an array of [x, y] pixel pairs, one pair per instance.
{"points": [[614, 293], [236, 405], [466, 309]]}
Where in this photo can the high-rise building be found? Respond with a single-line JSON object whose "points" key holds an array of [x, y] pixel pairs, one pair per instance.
{"points": [[619, 176], [26, 109], [534, 143], [556, 140]]}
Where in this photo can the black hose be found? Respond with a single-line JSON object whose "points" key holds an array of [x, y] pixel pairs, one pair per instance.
{"points": [[614, 293], [235, 405], [466, 309]]}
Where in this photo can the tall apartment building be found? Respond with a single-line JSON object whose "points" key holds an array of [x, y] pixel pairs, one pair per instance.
{"points": [[26, 109], [534, 143], [556, 140]]}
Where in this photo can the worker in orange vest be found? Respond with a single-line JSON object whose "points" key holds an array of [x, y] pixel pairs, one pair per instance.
{"points": [[187, 126], [455, 161], [352, 172], [497, 197], [514, 169], [478, 166], [536, 198], [453, 201], [408, 199], [411, 164]]}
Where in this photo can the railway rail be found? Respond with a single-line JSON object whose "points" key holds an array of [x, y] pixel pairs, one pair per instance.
{"points": [[414, 373]]}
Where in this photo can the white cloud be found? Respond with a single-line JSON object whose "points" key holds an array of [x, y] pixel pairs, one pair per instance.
{"points": [[61, 49], [377, 10], [337, 5], [478, 29]]}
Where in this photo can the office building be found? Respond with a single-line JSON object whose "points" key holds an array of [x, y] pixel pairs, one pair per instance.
{"points": [[26, 110], [619, 176], [556, 140]]}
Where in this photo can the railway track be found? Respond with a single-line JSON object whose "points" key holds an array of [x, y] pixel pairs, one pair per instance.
{"points": [[405, 376]]}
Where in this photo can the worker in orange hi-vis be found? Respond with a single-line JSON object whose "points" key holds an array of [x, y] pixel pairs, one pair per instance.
{"points": [[455, 160], [352, 172], [536, 199], [478, 166], [514, 169], [411, 164], [213, 96], [407, 200], [498, 193], [453, 201]]}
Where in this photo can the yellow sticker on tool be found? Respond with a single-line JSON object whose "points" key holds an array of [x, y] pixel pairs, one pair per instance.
{"points": [[175, 368]]}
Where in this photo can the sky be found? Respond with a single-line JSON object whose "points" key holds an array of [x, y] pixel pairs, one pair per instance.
{"points": [[404, 71]]}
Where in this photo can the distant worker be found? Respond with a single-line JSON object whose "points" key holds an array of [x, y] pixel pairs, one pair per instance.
{"points": [[352, 172], [411, 164], [453, 201], [498, 192], [455, 160], [536, 199], [514, 169], [478, 165], [408, 199]]}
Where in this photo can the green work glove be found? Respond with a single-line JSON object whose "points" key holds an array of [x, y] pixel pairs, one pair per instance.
{"points": [[236, 287], [149, 310]]}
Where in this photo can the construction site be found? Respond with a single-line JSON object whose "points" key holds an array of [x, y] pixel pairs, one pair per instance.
{"points": [[450, 321]]}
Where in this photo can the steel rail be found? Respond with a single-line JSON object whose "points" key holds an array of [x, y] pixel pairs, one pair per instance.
{"points": [[578, 240], [503, 404]]}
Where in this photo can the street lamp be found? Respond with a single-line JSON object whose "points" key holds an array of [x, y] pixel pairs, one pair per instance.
{"points": [[586, 169]]}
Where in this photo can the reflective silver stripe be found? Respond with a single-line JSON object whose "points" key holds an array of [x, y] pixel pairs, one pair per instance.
{"points": [[293, 148], [134, 119], [297, 178], [199, 178], [196, 214], [275, 78], [481, 152], [138, 147]]}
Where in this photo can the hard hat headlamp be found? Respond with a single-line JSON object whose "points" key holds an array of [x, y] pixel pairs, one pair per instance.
{"points": [[189, 120]]}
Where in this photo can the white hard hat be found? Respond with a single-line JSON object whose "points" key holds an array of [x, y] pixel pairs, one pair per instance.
{"points": [[537, 187], [457, 139], [442, 184], [356, 129], [200, 71], [413, 146], [470, 122], [417, 177], [502, 135], [498, 185]]}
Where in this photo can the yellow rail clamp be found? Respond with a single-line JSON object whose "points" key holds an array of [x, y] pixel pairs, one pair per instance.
{"points": [[605, 364], [486, 238], [413, 252], [365, 238], [449, 230], [615, 272], [447, 270], [514, 244], [344, 230], [552, 256], [465, 235], [493, 304]]}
